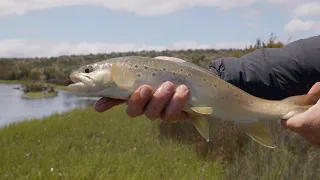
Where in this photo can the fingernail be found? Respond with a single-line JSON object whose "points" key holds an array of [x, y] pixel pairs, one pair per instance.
{"points": [[145, 92], [167, 86], [182, 88]]}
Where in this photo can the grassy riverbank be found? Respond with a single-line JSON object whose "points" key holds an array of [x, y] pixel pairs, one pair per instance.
{"points": [[26, 82], [84, 144], [39, 95]]}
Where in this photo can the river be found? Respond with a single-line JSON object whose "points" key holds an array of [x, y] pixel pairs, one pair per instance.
{"points": [[13, 107]]}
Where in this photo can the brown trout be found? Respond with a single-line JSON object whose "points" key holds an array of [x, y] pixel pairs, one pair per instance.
{"points": [[210, 98]]}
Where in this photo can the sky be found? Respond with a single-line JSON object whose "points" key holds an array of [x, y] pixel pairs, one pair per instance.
{"points": [[45, 28]]}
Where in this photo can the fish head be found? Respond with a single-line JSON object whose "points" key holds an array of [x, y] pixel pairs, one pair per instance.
{"points": [[91, 79]]}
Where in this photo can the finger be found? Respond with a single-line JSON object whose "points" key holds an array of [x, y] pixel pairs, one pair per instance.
{"points": [[174, 109], [138, 101], [292, 123], [104, 104], [159, 100], [315, 89]]}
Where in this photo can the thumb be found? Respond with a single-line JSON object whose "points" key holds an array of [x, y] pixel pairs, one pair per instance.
{"points": [[292, 123], [315, 89]]}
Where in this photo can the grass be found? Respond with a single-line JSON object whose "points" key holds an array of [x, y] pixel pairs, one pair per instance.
{"points": [[25, 82], [39, 95], [83, 144]]}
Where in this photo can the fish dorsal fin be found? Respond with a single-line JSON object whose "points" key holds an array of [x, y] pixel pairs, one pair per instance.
{"points": [[201, 124], [122, 75], [168, 58], [260, 132], [202, 110]]}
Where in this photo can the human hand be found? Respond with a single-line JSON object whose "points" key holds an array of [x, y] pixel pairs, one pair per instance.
{"points": [[307, 124], [166, 103]]}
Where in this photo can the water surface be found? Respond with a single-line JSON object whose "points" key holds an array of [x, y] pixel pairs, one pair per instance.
{"points": [[13, 107]]}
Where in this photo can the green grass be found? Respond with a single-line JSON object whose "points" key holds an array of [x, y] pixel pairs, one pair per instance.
{"points": [[26, 82], [84, 144], [39, 95]]}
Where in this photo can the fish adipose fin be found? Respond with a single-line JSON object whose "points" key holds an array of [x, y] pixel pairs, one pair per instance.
{"points": [[122, 76]]}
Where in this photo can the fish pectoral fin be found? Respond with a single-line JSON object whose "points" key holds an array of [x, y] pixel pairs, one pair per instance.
{"points": [[260, 132], [202, 110], [122, 76], [201, 124]]}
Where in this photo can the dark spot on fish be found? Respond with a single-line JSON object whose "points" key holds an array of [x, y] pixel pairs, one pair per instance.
{"points": [[181, 69], [204, 79], [131, 69], [136, 66], [146, 67], [174, 73], [189, 74], [156, 70], [109, 86], [251, 102], [164, 69], [153, 74], [215, 85], [138, 75], [236, 94]]}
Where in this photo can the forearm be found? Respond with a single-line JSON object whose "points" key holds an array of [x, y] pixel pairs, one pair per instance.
{"points": [[274, 73]]}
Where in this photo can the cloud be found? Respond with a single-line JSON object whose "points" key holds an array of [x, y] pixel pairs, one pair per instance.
{"points": [[141, 7], [47, 48], [251, 14], [307, 9], [296, 25]]}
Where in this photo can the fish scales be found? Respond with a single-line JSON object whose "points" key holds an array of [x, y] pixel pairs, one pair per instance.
{"points": [[210, 97], [206, 89]]}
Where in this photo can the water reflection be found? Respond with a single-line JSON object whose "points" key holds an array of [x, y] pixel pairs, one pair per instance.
{"points": [[13, 107]]}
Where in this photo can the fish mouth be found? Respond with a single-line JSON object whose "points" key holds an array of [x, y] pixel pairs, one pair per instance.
{"points": [[80, 81]]}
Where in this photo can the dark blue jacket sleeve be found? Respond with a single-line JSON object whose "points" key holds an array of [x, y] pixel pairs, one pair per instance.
{"points": [[274, 73]]}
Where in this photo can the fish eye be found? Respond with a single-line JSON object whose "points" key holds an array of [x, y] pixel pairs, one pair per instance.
{"points": [[88, 69]]}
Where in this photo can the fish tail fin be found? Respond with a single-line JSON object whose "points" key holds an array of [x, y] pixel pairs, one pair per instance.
{"points": [[300, 104], [262, 133]]}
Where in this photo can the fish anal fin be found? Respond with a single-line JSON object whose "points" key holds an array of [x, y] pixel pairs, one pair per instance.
{"points": [[122, 76], [201, 124], [260, 132], [202, 110]]}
